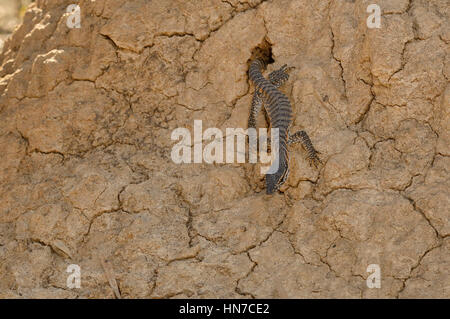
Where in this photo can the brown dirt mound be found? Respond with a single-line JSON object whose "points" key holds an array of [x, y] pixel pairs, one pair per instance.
{"points": [[87, 178]]}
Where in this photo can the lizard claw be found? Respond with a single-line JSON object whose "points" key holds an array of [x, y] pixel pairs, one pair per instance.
{"points": [[315, 160]]}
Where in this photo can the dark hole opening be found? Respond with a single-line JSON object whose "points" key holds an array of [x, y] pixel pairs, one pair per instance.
{"points": [[262, 51]]}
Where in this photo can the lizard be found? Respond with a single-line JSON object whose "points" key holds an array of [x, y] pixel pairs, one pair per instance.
{"points": [[279, 111]]}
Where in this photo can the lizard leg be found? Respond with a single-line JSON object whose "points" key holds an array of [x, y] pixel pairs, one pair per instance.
{"points": [[278, 77], [303, 138]]}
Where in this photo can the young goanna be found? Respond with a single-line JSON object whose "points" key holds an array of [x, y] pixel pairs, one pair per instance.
{"points": [[279, 111]]}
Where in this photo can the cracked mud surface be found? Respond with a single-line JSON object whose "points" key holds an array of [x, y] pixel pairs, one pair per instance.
{"points": [[87, 177]]}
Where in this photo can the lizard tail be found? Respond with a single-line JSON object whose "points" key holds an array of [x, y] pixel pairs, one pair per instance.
{"points": [[275, 180]]}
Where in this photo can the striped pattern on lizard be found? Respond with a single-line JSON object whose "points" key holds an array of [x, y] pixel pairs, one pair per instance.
{"points": [[279, 110], [277, 78]]}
